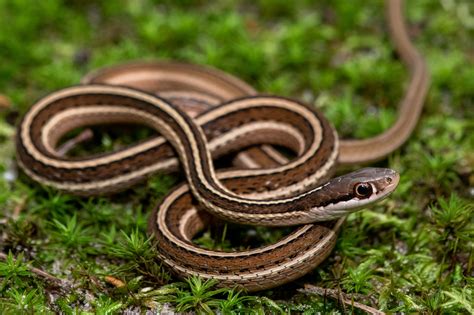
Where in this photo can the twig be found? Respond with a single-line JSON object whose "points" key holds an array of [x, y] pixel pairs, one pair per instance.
{"points": [[43, 274], [340, 296], [5, 102], [18, 208], [114, 281], [67, 146]]}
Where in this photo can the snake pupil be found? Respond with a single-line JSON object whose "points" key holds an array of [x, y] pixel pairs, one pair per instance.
{"points": [[363, 189]]}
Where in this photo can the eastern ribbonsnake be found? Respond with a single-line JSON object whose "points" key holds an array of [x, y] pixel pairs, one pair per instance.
{"points": [[266, 190]]}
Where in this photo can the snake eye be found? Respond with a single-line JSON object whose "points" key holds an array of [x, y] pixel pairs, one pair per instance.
{"points": [[363, 189]]}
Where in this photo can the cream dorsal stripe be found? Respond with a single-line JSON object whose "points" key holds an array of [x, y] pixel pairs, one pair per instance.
{"points": [[179, 219], [85, 172], [190, 143]]}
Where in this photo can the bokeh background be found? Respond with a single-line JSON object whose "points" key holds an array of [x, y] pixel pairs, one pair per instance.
{"points": [[413, 253]]}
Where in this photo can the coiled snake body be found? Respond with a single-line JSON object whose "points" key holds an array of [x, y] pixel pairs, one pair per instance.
{"points": [[267, 189]]}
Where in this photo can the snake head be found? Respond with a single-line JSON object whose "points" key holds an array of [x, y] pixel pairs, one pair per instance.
{"points": [[353, 191]]}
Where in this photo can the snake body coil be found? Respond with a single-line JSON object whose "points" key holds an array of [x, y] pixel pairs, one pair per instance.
{"points": [[270, 190], [287, 195]]}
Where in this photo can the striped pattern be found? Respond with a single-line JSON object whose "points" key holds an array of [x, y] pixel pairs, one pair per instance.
{"points": [[288, 194], [280, 193]]}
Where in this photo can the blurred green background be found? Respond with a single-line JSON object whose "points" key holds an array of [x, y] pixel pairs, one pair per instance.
{"points": [[413, 253]]}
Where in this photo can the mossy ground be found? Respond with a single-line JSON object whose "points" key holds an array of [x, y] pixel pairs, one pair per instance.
{"points": [[411, 253]]}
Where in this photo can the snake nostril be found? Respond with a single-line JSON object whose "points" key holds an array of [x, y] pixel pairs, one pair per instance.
{"points": [[388, 180]]}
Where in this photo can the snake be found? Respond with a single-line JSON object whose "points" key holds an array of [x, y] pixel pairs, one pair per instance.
{"points": [[203, 114]]}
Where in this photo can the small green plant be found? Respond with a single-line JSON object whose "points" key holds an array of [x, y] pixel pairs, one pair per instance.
{"points": [[104, 305], [133, 246], [200, 297], [459, 299], [53, 203], [235, 303], [138, 254], [24, 302], [453, 218], [13, 271], [72, 235]]}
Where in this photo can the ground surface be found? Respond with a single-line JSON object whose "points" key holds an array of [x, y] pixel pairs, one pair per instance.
{"points": [[412, 253]]}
